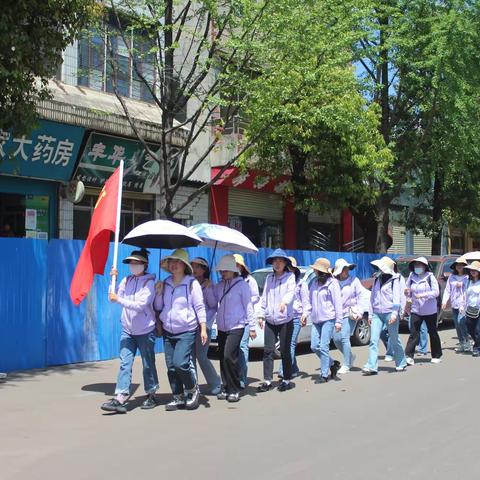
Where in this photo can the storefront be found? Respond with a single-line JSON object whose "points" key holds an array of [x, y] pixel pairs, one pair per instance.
{"points": [[100, 157], [32, 168], [255, 205]]}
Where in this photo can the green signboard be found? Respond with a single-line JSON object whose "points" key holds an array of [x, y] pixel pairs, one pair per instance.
{"points": [[49, 152], [102, 155]]}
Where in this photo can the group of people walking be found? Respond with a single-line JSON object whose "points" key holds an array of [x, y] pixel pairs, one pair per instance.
{"points": [[184, 306]]}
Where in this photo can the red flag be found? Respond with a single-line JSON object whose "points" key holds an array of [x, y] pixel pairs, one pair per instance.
{"points": [[95, 252]]}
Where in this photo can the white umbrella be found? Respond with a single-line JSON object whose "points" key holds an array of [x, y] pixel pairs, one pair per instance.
{"points": [[162, 234], [224, 238], [470, 256]]}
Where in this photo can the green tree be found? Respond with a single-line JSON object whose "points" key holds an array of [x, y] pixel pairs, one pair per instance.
{"points": [[33, 34], [196, 65], [306, 99], [421, 67]]}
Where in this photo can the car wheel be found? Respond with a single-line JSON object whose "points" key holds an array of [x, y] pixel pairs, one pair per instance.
{"points": [[361, 334]]}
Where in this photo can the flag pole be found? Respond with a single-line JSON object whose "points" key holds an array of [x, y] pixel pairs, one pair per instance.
{"points": [[117, 227]]}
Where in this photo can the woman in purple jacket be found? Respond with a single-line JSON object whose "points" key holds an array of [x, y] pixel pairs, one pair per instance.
{"points": [[325, 308], [276, 316], [454, 294], [232, 299], [135, 294], [182, 313], [422, 292]]}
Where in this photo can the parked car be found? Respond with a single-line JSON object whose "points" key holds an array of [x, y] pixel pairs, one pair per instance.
{"points": [[361, 335], [440, 267]]}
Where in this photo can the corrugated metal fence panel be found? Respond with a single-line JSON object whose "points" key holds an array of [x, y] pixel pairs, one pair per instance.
{"points": [[23, 280], [255, 204], [422, 245], [36, 332]]}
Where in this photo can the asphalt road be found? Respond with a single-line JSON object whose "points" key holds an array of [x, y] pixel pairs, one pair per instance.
{"points": [[420, 424]]}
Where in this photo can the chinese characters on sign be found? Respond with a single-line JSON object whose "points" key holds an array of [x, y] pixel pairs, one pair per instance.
{"points": [[48, 152]]}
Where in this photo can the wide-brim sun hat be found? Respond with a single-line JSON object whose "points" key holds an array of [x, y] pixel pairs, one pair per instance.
{"points": [[278, 253], [385, 265], [294, 265], [200, 261], [241, 261], [137, 256], [459, 261], [475, 265], [322, 265], [421, 260], [340, 264], [179, 254], [227, 263]]}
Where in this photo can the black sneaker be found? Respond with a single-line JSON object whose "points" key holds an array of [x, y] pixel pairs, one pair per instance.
{"points": [[368, 373], [475, 353], [284, 386], [233, 397], [334, 369], [191, 398], [150, 402], [178, 403], [321, 380], [114, 406], [264, 387]]}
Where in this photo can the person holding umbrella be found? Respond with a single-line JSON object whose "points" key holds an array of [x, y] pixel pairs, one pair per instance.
{"points": [[422, 292], [352, 290], [324, 305], [232, 299], [136, 294], [454, 294], [276, 316], [384, 312], [473, 305], [180, 302], [244, 345], [201, 272]]}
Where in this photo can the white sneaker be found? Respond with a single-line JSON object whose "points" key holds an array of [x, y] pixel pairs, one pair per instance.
{"points": [[388, 358], [435, 360], [343, 369], [410, 361], [400, 369]]}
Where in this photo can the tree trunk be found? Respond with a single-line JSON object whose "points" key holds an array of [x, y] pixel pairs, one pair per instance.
{"points": [[368, 224], [303, 230], [383, 219], [437, 216]]}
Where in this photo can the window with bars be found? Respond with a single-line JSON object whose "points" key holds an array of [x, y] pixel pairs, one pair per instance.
{"points": [[134, 212]]}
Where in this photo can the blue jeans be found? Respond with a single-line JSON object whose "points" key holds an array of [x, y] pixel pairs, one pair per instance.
{"points": [[178, 353], [128, 348], [320, 344], [200, 355], [293, 345], [422, 346], [342, 340], [243, 357], [379, 321], [460, 325]]}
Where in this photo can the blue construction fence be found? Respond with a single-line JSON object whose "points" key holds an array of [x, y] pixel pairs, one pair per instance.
{"points": [[41, 327]]}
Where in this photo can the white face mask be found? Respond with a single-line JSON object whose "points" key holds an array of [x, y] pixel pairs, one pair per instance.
{"points": [[136, 269], [419, 270]]}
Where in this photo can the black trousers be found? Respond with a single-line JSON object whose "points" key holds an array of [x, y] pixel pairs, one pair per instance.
{"points": [[272, 333], [473, 327], [229, 347], [413, 339]]}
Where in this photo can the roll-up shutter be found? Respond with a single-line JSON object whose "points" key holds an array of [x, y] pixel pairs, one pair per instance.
{"points": [[330, 216], [248, 203], [398, 234], [422, 245]]}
